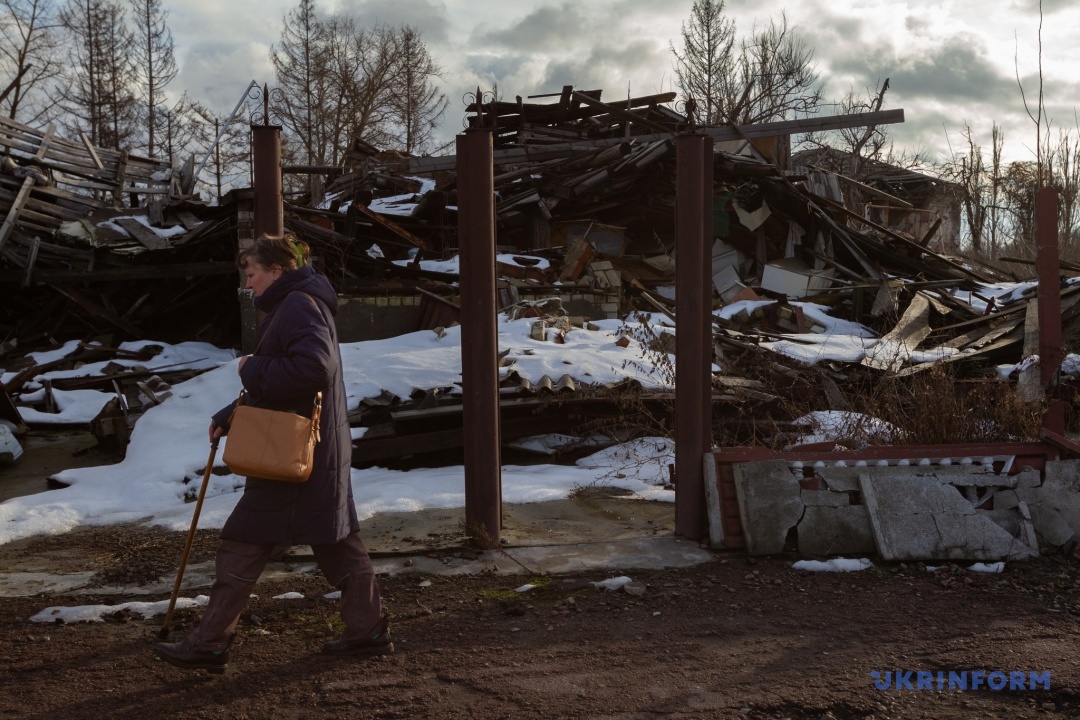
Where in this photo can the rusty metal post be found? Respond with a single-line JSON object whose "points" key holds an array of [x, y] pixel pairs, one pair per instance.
{"points": [[479, 336], [693, 329], [266, 179], [1048, 267]]}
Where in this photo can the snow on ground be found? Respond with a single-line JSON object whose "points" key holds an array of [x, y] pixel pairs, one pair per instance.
{"points": [[453, 265], [169, 446], [834, 565], [81, 406], [829, 425], [97, 613], [842, 340]]}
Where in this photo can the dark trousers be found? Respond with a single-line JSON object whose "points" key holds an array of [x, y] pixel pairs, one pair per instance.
{"points": [[237, 568]]}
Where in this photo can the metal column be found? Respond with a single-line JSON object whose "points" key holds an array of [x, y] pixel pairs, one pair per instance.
{"points": [[1048, 267], [479, 336], [693, 329], [266, 179]]}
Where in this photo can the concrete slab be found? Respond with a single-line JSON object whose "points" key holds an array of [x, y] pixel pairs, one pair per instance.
{"points": [[1060, 491], [840, 479], [1006, 500], [917, 515], [1051, 525], [843, 530], [769, 504], [824, 498]]}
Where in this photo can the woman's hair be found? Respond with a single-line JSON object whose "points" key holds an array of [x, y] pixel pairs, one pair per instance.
{"points": [[268, 250]]}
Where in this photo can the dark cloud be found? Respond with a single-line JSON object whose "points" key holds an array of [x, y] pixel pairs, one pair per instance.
{"points": [[642, 61], [427, 16], [546, 29], [956, 70], [495, 68], [1048, 6]]}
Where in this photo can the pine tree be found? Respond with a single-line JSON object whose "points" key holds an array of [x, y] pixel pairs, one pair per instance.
{"points": [[703, 67], [771, 77], [155, 65], [302, 65], [100, 101], [418, 104]]}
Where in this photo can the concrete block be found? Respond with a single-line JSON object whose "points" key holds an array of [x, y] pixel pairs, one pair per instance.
{"points": [[834, 530], [769, 504], [1051, 525], [922, 517], [1008, 520], [1006, 500], [1060, 491], [824, 498]]}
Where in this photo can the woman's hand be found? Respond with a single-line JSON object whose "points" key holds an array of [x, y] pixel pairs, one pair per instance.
{"points": [[215, 431]]}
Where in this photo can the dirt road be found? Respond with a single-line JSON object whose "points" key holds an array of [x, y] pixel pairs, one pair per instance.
{"points": [[731, 638]]}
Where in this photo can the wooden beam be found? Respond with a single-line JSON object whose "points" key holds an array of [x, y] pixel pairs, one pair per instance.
{"points": [[24, 191], [137, 272], [618, 112], [93, 153], [899, 238], [143, 234], [35, 245], [97, 311], [719, 134]]}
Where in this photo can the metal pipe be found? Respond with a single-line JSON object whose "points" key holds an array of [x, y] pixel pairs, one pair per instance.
{"points": [[266, 181], [1048, 268], [224, 127], [693, 329], [479, 336]]}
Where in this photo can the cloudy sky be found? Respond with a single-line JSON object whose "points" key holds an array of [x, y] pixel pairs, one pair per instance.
{"points": [[949, 62]]}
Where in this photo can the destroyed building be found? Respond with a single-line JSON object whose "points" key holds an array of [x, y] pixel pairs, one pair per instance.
{"points": [[107, 247]]}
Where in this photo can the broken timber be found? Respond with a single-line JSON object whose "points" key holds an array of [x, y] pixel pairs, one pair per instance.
{"points": [[783, 127]]}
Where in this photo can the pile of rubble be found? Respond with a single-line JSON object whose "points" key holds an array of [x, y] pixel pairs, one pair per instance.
{"points": [[108, 247]]}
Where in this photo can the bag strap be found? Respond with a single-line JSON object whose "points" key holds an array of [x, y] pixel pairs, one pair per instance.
{"points": [[317, 411]]}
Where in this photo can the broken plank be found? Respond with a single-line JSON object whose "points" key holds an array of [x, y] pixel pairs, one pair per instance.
{"points": [[900, 238], [137, 272], [783, 127], [35, 245], [121, 170], [143, 234], [24, 191], [93, 154], [391, 226], [97, 311]]}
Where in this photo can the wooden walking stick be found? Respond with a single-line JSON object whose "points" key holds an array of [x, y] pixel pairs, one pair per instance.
{"points": [[164, 632]]}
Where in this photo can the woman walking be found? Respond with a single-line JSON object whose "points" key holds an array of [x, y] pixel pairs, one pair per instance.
{"points": [[297, 356]]}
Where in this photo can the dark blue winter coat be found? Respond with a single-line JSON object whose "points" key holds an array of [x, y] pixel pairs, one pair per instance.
{"points": [[298, 356]]}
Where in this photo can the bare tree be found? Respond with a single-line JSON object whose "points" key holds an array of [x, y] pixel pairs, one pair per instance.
{"points": [[29, 58], [772, 76], [100, 101], [155, 66], [302, 66], [706, 60], [339, 81], [230, 158], [776, 77], [418, 104]]}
